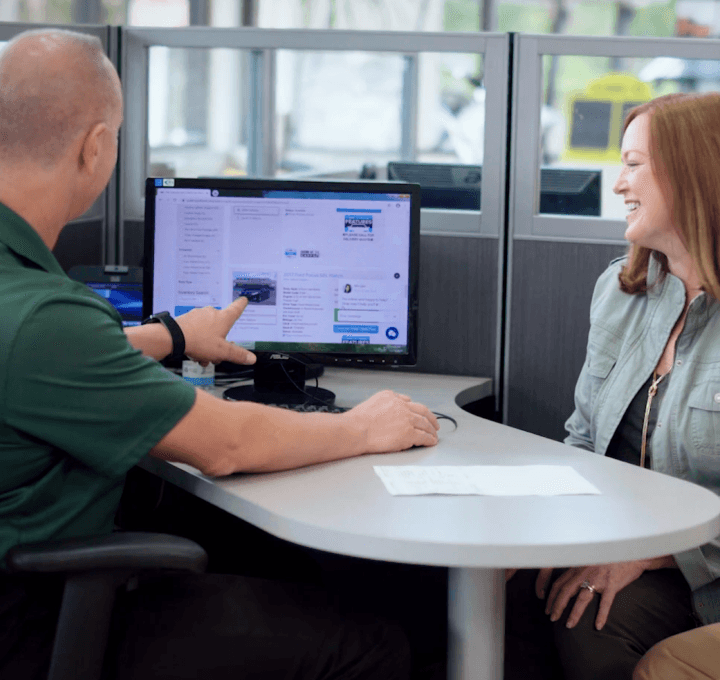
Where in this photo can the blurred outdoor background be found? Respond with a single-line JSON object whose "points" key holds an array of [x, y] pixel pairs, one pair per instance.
{"points": [[339, 114]]}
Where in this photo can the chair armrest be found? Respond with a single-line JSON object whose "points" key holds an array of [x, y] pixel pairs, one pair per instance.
{"points": [[121, 550]]}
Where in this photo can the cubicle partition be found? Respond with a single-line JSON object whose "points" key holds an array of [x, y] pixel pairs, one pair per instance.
{"points": [[261, 91], [505, 289], [91, 238], [554, 259]]}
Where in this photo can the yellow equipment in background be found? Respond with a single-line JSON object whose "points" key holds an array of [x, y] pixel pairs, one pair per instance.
{"points": [[597, 114]]}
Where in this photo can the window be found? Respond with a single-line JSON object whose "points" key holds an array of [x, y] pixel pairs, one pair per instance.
{"points": [[195, 112], [586, 99]]}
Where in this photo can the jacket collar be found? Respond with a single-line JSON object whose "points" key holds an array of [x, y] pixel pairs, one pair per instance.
{"points": [[701, 308], [655, 284], [24, 241]]}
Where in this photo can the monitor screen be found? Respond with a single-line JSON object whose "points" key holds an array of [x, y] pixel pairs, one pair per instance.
{"points": [[125, 297], [330, 269], [120, 285]]}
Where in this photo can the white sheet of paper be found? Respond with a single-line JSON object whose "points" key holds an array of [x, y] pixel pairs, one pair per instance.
{"points": [[484, 480]]}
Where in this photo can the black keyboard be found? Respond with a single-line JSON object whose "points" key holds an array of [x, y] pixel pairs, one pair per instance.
{"points": [[311, 408]]}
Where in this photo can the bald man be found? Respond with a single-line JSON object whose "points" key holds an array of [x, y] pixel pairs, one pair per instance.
{"points": [[82, 401]]}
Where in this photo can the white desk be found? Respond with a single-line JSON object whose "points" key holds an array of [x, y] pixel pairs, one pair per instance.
{"points": [[343, 507]]}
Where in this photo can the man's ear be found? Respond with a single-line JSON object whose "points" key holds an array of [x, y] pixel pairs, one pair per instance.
{"points": [[91, 148]]}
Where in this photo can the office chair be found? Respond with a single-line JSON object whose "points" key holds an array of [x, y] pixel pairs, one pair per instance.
{"points": [[95, 567]]}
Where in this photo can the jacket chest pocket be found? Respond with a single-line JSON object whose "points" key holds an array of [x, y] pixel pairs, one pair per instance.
{"points": [[704, 403], [600, 365]]}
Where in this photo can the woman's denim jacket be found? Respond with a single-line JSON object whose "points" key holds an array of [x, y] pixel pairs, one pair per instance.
{"points": [[628, 334]]}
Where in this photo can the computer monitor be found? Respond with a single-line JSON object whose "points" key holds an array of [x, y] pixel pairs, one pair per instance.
{"points": [[570, 191], [563, 191], [330, 270], [442, 185]]}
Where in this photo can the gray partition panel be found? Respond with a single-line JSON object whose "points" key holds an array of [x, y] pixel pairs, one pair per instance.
{"points": [[458, 305], [80, 243], [133, 243], [552, 285]]}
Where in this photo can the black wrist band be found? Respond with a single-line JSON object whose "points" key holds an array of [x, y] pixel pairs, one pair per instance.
{"points": [[178, 338]]}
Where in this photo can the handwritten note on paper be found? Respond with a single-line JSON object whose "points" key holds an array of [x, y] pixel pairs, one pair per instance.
{"points": [[484, 480]]}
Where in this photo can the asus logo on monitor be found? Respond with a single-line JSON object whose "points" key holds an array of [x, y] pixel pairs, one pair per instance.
{"points": [[282, 357]]}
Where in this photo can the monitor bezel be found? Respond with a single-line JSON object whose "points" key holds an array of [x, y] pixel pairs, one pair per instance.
{"points": [[408, 358]]}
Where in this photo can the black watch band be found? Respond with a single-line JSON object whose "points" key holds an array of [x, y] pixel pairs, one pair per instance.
{"points": [[178, 338]]}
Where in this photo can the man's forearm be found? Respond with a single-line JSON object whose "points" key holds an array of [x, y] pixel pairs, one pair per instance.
{"points": [[153, 340], [285, 440], [221, 437]]}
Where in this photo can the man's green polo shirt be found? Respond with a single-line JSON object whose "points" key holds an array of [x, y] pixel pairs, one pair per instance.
{"points": [[78, 405]]}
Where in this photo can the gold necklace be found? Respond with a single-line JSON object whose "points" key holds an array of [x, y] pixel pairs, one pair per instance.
{"points": [[657, 379]]}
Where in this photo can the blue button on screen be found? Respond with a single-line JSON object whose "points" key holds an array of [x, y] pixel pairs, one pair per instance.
{"points": [[357, 328]]}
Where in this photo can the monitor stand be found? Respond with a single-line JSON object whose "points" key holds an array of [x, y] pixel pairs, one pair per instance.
{"points": [[281, 382]]}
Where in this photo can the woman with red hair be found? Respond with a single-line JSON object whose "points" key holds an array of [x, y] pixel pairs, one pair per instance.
{"points": [[649, 395]]}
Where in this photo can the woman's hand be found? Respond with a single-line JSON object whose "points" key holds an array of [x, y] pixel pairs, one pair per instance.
{"points": [[606, 579]]}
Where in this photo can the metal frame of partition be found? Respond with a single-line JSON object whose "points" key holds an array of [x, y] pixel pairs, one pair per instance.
{"points": [[263, 44], [524, 221], [105, 209], [112, 192]]}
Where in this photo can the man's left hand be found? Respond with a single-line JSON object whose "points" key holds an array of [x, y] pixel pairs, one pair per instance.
{"points": [[205, 330]]}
